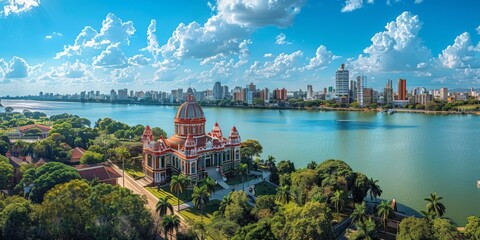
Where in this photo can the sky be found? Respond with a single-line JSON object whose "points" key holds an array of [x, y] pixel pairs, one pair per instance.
{"points": [[76, 45]]}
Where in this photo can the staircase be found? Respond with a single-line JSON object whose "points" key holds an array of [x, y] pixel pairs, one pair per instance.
{"points": [[212, 172]]}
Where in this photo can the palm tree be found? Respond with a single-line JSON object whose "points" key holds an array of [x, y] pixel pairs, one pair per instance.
{"points": [[243, 171], [163, 206], [185, 180], [312, 165], [385, 211], [122, 154], [200, 198], [176, 185], [375, 190], [283, 195], [270, 161], [434, 205], [428, 215], [366, 229], [358, 213], [170, 222], [225, 202], [210, 184], [338, 200]]}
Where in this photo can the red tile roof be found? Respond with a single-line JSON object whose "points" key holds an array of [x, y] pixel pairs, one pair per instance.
{"points": [[43, 128], [100, 172], [77, 153]]}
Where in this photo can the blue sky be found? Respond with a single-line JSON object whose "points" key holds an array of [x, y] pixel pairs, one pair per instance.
{"points": [[70, 46]]}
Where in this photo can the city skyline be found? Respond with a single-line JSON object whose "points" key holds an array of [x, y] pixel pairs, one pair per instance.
{"points": [[114, 46]]}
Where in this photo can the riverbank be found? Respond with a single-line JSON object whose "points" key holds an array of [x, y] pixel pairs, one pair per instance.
{"points": [[270, 107]]}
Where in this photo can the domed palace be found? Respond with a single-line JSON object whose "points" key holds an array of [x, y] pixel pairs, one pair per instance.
{"points": [[190, 151]]}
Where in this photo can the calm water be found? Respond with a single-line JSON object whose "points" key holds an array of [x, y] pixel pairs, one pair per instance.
{"points": [[411, 154]]}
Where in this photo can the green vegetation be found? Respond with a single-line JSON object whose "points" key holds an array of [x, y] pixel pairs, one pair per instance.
{"points": [[264, 188], [195, 215], [172, 199]]}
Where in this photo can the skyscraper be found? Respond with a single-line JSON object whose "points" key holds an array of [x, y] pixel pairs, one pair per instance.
{"points": [[309, 92], [353, 91], [341, 83], [444, 94], [388, 92], [402, 89], [361, 82], [217, 91]]}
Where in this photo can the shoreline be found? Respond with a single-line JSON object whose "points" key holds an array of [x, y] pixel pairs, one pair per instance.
{"points": [[320, 108]]}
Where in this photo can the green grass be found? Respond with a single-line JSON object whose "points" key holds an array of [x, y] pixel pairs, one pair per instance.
{"points": [[264, 188], [469, 107], [162, 193], [193, 214], [237, 179], [134, 169]]}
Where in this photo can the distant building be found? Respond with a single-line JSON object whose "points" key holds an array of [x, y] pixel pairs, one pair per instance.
{"points": [[309, 92], [421, 99], [388, 93], [444, 94], [341, 83], [402, 89], [353, 91], [368, 96], [113, 95], [361, 81], [280, 94], [217, 91]]}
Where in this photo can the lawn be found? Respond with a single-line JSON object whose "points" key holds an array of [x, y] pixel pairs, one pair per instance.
{"points": [[237, 179], [133, 168], [469, 107], [162, 193], [264, 188], [193, 214]]}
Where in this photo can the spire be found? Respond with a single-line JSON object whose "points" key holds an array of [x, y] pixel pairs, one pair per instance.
{"points": [[216, 131], [234, 137], [147, 135]]}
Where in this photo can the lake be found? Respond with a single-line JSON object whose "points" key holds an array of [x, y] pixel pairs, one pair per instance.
{"points": [[411, 154]]}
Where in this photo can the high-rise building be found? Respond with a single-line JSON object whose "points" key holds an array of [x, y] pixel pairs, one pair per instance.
{"points": [[225, 93], [280, 94], [217, 91], [353, 91], [444, 94], [361, 82], [368, 96], [113, 95], [402, 89], [252, 87], [309, 92], [388, 92], [341, 83]]}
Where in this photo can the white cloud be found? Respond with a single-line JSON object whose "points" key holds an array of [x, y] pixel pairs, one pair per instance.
{"points": [[461, 54], [8, 7], [322, 58], [124, 75], [280, 67], [268, 55], [152, 41], [138, 60], [352, 5], [397, 48], [478, 29], [281, 39], [89, 41], [418, 1], [54, 35], [259, 13], [112, 57], [16, 68]]}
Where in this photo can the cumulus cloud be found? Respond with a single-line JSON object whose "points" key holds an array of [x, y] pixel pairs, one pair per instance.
{"points": [[16, 68], [89, 41], [280, 67], [9, 7], [138, 60], [478, 29], [323, 57], [124, 75], [267, 55], [352, 5], [281, 39], [259, 13], [112, 57], [152, 41], [461, 54], [397, 48], [54, 35]]}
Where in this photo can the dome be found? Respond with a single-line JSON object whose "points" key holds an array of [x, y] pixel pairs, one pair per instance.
{"points": [[190, 110]]}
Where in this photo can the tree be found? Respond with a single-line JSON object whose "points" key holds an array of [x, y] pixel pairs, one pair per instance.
{"points": [[312, 221], [158, 132], [265, 206], [170, 223], [224, 203], [90, 157], [200, 198], [285, 166], [414, 229], [302, 184], [338, 200], [443, 229], [250, 148], [45, 178], [176, 185], [270, 161], [163, 206], [365, 230], [243, 172], [259, 230], [472, 229], [283, 195], [185, 181], [434, 205], [312, 165], [210, 184], [360, 187], [6, 172], [385, 211], [358, 214], [238, 210], [15, 220], [122, 154], [375, 190]]}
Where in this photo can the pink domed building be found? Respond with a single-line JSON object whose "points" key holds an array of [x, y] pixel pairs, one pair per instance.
{"points": [[191, 150]]}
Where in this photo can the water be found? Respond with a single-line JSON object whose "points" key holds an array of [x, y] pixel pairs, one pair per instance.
{"points": [[411, 154]]}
